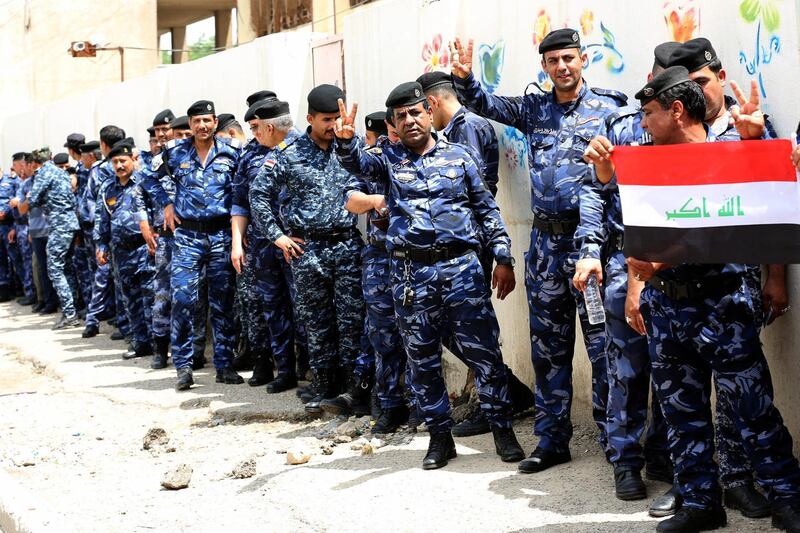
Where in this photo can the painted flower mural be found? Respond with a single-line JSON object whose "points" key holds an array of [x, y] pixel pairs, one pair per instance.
{"points": [[682, 18], [751, 10], [767, 16], [435, 54], [490, 59], [514, 148], [587, 21], [541, 27]]}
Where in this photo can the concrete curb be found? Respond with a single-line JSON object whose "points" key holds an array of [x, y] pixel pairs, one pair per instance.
{"points": [[20, 512]]}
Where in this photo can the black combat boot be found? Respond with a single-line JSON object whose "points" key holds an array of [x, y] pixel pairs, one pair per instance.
{"points": [[185, 379], [243, 359], [325, 388], [91, 330], [282, 383], [354, 401], [263, 372], [786, 518], [117, 336], [441, 449], [160, 359], [390, 419], [667, 504], [229, 376], [658, 467], [747, 500], [522, 397], [692, 519], [628, 484], [139, 350], [507, 446]]}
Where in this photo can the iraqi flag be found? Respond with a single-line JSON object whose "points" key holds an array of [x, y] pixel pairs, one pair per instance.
{"points": [[719, 202]]}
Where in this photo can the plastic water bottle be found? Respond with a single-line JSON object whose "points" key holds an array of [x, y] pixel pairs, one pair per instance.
{"points": [[594, 301]]}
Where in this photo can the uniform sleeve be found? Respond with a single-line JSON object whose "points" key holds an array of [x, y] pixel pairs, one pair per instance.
{"points": [[102, 223], [241, 189], [264, 193], [486, 212], [151, 180], [355, 184], [356, 160], [503, 109], [36, 197], [591, 232], [141, 211]]}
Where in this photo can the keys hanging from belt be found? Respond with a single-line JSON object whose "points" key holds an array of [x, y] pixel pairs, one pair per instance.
{"points": [[408, 291]]}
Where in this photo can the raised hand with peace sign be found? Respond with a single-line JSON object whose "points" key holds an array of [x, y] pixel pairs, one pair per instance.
{"points": [[345, 124], [460, 58], [747, 116]]}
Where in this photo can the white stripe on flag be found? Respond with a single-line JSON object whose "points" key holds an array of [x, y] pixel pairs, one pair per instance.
{"points": [[706, 206]]}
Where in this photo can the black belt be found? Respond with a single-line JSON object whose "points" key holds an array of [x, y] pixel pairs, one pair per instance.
{"points": [[556, 227], [130, 244], [212, 225], [431, 256], [7, 222], [329, 236], [165, 233], [87, 226], [380, 244], [697, 290], [22, 221]]}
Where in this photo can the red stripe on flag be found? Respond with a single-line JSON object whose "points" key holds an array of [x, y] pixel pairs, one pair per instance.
{"points": [[705, 163]]}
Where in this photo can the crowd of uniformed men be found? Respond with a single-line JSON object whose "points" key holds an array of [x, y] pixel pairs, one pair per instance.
{"points": [[260, 240]]}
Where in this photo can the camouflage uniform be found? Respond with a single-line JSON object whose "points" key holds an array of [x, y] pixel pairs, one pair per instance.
{"points": [[690, 338], [202, 202], [102, 304], [329, 302], [475, 133], [450, 296], [268, 300], [8, 252], [117, 228], [25, 249], [83, 259], [558, 135], [52, 191], [381, 324]]}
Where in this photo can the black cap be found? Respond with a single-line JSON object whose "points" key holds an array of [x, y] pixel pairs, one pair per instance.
{"points": [[201, 107], [74, 140], [437, 78], [164, 118], [694, 55], [224, 120], [560, 40], [91, 146], [667, 79], [405, 94], [123, 147], [375, 122], [664, 51], [60, 158], [324, 98], [180, 123], [260, 95], [151, 131], [390, 115], [266, 108]]}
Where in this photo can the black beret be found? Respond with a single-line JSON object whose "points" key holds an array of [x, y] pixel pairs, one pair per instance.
{"points": [[151, 131], [123, 147], [60, 158], [74, 140], [375, 122], [163, 118], [405, 94], [180, 123], [667, 79], [91, 146], [694, 55], [19, 156], [324, 98], [260, 95], [201, 107], [390, 115], [266, 108], [429, 80], [560, 40], [224, 120], [664, 51]]}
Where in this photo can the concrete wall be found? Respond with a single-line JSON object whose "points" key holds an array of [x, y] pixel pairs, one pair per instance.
{"points": [[35, 36]]}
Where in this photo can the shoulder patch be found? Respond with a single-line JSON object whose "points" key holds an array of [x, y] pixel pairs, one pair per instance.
{"points": [[156, 162], [620, 97], [377, 150], [269, 163], [282, 145]]}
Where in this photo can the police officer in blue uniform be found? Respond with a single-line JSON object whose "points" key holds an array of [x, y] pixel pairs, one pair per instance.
{"points": [[53, 193], [202, 169], [437, 201], [558, 126], [8, 190], [262, 265], [20, 232], [117, 230], [699, 319], [83, 263], [320, 239]]}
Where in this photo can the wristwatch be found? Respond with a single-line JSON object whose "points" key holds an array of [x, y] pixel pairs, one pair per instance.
{"points": [[505, 261]]}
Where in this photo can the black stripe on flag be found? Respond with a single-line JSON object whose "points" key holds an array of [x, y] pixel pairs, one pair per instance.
{"points": [[749, 244]]}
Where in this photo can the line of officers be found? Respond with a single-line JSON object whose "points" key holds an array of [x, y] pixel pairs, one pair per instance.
{"points": [[281, 212]]}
